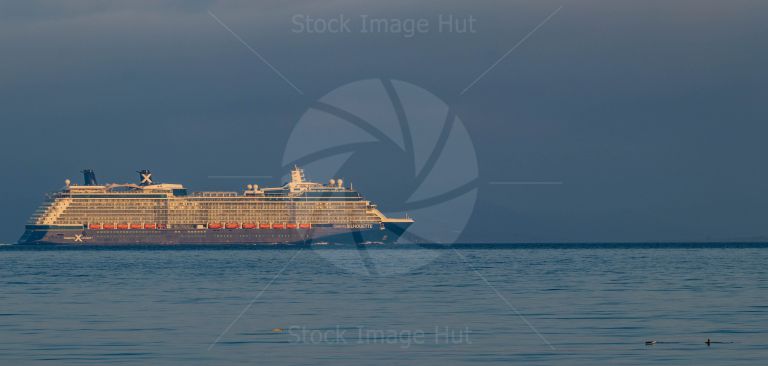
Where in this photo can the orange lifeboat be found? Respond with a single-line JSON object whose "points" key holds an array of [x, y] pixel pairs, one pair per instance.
{"points": [[109, 226], [249, 226], [277, 226], [94, 226], [162, 226], [305, 226], [290, 226], [136, 226], [122, 226], [150, 226], [232, 225], [214, 226], [263, 226]]}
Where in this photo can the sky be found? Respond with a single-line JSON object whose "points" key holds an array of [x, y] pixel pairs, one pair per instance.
{"points": [[589, 121]]}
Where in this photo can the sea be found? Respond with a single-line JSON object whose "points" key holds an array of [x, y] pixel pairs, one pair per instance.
{"points": [[500, 304]]}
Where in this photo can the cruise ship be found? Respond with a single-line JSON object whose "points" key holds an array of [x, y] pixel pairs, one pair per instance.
{"points": [[299, 212]]}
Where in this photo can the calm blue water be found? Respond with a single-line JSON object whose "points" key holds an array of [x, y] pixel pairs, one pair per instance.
{"points": [[594, 304]]}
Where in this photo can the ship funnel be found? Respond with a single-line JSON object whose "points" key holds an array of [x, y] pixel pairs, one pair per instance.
{"points": [[89, 177], [145, 177]]}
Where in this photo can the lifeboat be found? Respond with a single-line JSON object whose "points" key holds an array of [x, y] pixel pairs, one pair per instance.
{"points": [[305, 226], [277, 226], [290, 226], [94, 226], [150, 226], [122, 226], [264, 226], [109, 226], [162, 226], [249, 226], [214, 226], [136, 226], [232, 225]]}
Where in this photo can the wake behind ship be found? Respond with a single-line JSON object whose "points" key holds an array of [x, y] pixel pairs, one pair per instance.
{"points": [[160, 213]]}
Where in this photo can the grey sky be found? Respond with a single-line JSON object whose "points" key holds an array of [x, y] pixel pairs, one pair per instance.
{"points": [[651, 113]]}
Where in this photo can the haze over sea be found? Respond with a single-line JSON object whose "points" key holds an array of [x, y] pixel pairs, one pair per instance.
{"points": [[574, 304]]}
